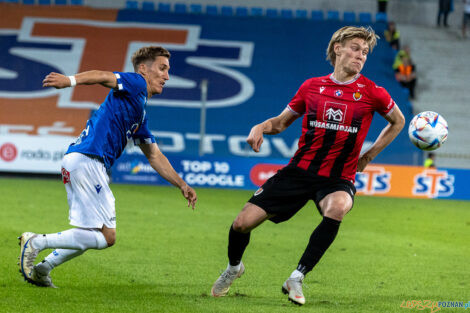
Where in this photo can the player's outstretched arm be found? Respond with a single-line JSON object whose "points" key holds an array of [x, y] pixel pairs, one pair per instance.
{"points": [[59, 81], [272, 126], [160, 163], [396, 121]]}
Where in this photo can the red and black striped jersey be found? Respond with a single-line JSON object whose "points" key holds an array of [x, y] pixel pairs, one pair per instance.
{"points": [[337, 117]]}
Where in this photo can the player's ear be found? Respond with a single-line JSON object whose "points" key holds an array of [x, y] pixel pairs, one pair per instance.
{"points": [[337, 48], [142, 69]]}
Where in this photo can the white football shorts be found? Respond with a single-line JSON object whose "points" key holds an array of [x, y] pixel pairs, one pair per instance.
{"points": [[91, 201]]}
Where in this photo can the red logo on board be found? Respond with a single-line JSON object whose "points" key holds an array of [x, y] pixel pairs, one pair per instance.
{"points": [[8, 152], [260, 173]]}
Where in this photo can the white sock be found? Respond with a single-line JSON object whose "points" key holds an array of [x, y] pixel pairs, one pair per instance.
{"points": [[297, 275], [75, 238], [56, 258], [233, 268]]}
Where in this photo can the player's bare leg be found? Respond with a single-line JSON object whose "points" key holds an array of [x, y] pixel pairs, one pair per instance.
{"points": [[239, 236], [334, 207]]}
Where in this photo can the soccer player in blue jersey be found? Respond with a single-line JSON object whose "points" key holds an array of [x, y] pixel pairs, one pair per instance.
{"points": [[121, 117]]}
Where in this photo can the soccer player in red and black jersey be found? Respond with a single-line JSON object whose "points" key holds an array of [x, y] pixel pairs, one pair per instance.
{"points": [[337, 112]]}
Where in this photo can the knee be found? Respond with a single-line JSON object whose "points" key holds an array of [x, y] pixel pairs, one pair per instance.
{"points": [[338, 210], [110, 238], [239, 226]]}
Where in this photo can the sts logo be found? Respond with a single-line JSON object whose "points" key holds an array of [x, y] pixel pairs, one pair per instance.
{"points": [[433, 184], [373, 180]]}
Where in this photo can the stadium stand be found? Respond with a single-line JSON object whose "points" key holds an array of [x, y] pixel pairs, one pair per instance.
{"points": [[256, 11], [317, 15], [332, 15], [148, 6], [164, 7], [226, 10], [365, 17], [300, 13], [287, 13], [212, 10], [195, 8], [241, 11], [314, 15], [130, 4], [180, 8], [270, 12], [381, 17], [349, 17]]}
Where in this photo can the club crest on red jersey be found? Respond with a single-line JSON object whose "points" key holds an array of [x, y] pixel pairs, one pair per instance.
{"points": [[357, 96]]}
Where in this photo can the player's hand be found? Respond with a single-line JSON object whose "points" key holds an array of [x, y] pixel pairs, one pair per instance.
{"points": [[190, 195], [362, 163], [255, 138], [56, 80]]}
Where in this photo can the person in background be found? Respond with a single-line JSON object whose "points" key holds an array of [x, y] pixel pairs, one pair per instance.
{"points": [[445, 7], [405, 52], [392, 35], [382, 6], [406, 76], [430, 160], [466, 16]]}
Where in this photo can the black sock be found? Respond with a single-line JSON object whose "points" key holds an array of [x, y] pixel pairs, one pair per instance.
{"points": [[320, 240], [237, 243]]}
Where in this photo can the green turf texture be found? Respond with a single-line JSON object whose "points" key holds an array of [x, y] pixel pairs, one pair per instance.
{"points": [[167, 257]]}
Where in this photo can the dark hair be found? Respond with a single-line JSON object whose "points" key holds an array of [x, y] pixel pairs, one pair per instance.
{"points": [[148, 54]]}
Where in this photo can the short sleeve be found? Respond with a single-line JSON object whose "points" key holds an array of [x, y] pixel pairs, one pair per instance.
{"points": [[297, 104], [143, 134], [130, 83], [384, 103]]}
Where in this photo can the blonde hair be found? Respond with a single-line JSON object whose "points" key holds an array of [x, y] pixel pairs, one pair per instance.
{"points": [[349, 32], [148, 54]]}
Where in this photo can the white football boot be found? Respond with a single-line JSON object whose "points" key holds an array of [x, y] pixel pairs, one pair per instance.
{"points": [[293, 287], [223, 283], [28, 255]]}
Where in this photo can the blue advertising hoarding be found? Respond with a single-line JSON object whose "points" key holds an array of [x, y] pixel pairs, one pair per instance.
{"points": [[250, 173]]}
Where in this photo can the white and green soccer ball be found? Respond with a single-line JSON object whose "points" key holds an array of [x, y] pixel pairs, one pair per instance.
{"points": [[428, 130]]}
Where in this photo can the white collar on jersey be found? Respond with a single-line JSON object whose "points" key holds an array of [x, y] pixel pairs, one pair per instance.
{"points": [[344, 83]]}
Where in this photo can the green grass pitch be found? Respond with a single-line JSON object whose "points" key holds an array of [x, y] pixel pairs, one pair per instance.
{"points": [[166, 256]]}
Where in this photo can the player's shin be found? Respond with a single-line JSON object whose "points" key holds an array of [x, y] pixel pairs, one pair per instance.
{"points": [[56, 258], [237, 243], [320, 240]]}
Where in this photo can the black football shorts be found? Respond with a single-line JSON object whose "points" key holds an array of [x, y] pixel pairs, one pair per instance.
{"points": [[285, 193]]}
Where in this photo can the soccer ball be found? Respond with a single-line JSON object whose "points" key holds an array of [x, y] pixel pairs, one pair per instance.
{"points": [[428, 130]]}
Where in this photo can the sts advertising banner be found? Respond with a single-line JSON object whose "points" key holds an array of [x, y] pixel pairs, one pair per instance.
{"points": [[250, 173]]}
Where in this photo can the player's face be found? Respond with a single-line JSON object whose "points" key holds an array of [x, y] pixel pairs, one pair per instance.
{"points": [[352, 56], [157, 74]]}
